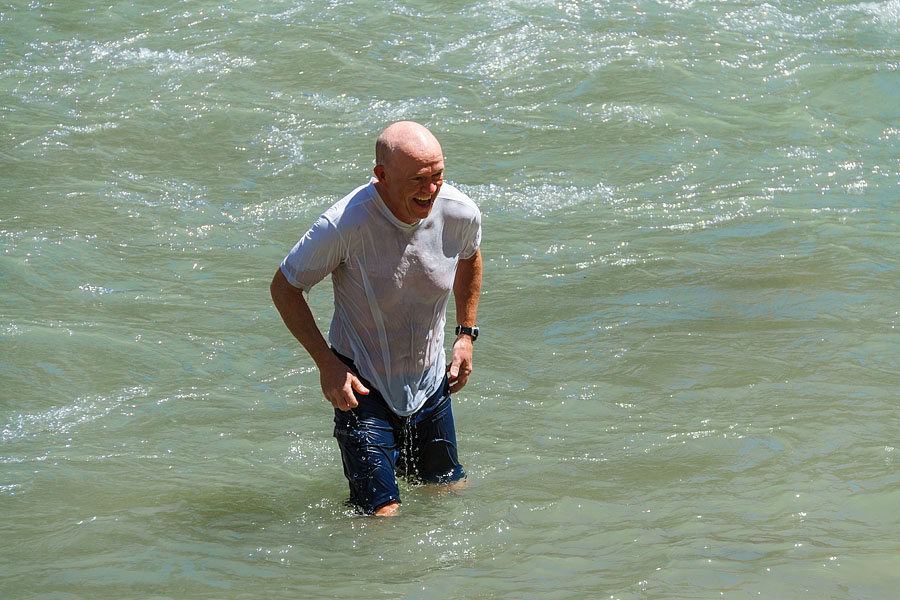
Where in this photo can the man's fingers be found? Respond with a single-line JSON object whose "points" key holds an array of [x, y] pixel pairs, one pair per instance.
{"points": [[347, 400], [359, 387], [453, 370], [458, 384], [343, 402], [340, 392]]}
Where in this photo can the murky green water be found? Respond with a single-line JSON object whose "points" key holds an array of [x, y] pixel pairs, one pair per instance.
{"points": [[687, 382]]}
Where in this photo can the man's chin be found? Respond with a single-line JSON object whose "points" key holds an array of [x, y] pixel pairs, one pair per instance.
{"points": [[422, 208]]}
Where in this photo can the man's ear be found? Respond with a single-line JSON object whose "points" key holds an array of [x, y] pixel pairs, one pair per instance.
{"points": [[379, 172]]}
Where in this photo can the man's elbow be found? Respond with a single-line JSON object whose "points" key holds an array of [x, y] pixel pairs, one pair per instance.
{"points": [[474, 258], [276, 288]]}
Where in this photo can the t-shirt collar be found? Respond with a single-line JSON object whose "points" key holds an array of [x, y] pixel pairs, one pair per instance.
{"points": [[379, 202]]}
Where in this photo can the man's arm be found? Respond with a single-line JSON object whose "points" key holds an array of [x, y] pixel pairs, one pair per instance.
{"points": [[337, 381], [466, 290]]}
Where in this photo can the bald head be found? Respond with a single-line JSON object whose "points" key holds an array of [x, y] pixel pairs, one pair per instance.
{"points": [[408, 138], [409, 170]]}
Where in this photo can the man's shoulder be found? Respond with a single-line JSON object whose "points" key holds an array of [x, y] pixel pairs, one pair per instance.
{"points": [[352, 207], [457, 200], [448, 190]]}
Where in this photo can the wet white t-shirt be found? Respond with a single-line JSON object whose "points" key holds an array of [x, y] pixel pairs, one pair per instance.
{"points": [[392, 283]]}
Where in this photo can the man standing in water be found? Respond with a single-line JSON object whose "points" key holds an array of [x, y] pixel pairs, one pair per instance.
{"points": [[395, 248]]}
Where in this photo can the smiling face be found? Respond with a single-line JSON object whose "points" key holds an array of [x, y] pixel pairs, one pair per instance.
{"points": [[410, 170]]}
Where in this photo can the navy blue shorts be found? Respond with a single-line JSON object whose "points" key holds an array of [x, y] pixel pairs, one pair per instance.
{"points": [[377, 445]]}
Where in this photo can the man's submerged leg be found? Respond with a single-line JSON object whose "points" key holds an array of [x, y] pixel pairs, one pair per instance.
{"points": [[388, 510], [369, 455], [435, 454]]}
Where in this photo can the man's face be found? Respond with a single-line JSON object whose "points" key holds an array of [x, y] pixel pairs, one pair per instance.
{"points": [[411, 183]]}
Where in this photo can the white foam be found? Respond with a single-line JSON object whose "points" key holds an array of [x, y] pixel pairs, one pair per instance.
{"points": [[62, 419], [887, 13]]}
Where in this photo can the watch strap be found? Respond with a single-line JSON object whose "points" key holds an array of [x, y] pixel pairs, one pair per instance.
{"points": [[469, 331]]}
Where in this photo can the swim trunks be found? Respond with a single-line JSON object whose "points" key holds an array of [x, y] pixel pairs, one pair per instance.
{"points": [[377, 445]]}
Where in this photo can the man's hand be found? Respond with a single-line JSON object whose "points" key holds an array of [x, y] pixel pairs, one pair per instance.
{"points": [[338, 384], [461, 365], [337, 381]]}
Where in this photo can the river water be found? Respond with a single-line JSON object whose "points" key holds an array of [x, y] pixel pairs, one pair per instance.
{"points": [[686, 384]]}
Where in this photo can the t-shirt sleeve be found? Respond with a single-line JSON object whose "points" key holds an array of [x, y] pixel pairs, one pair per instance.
{"points": [[319, 252], [473, 236]]}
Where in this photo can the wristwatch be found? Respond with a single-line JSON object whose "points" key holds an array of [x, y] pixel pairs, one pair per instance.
{"points": [[469, 331]]}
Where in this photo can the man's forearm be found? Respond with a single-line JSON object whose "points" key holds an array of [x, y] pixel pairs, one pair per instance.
{"points": [[298, 318], [467, 289], [337, 381]]}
